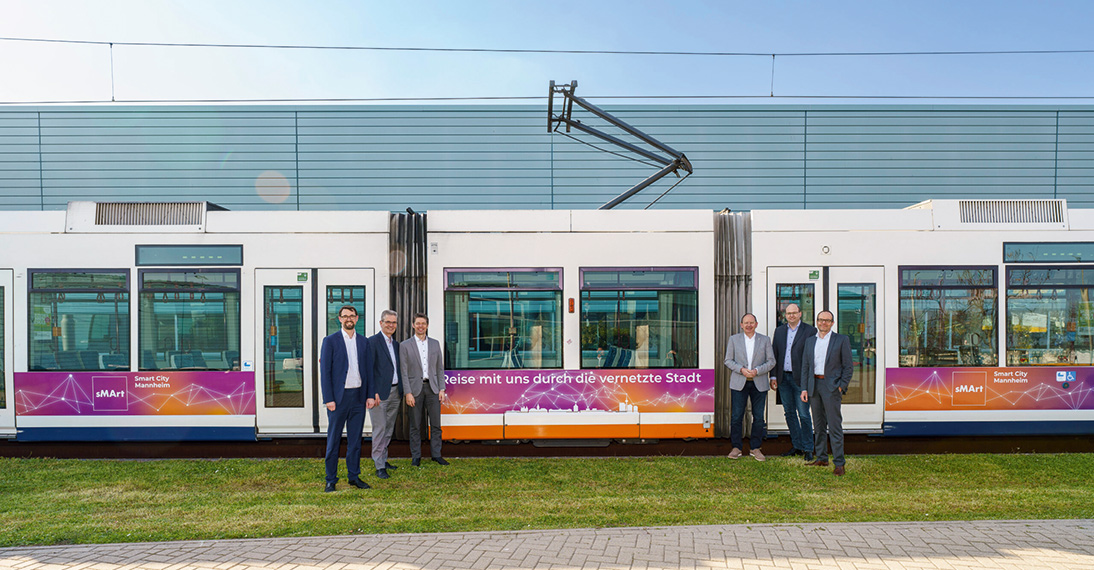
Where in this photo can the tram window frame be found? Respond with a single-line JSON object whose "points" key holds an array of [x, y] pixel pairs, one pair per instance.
{"points": [[83, 354], [1050, 355], [227, 356], [615, 348], [536, 293], [968, 349]]}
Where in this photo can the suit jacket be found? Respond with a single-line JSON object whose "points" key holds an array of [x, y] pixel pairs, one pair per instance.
{"points": [[334, 366], [382, 367], [778, 344], [411, 363], [837, 364], [763, 360]]}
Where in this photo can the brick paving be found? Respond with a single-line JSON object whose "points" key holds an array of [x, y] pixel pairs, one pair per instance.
{"points": [[953, 545]]}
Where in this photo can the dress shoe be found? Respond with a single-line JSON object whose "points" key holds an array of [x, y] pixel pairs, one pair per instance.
{"points": [[839, 471], [382, 473], [416, 462], [330, 487], [439, 460], [390, 466], [791, 452], [359, 484], [819, 463], [808, 456], [757, 455], [735, 453]]}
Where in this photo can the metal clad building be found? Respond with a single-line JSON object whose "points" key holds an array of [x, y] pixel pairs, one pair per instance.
{"points": [[434, 157]]}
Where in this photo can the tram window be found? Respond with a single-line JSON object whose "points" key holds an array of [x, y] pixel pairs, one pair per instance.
{"points": [[948, 316], [800, 294], [189, 319], [639, 318], [339, 296], [79, 320], [500, 319], [1050, 316], [3, 395]]}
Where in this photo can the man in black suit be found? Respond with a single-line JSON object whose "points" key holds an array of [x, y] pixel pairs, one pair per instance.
{"points": [[786, 378], [826, 374], [387, 390], [345, 379]]}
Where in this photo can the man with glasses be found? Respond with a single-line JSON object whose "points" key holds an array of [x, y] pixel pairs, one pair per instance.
{"points": [[749, 358], [826, 374], [345, 379], [788, 343], [387, 391]]}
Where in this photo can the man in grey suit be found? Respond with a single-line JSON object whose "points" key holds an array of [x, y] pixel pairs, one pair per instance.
{"points": [[386, 387], [423, 383], [749, 357], [826, 374]]}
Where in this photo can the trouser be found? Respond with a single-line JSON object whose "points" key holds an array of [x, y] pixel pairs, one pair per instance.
{"points": [[383, 426], [426, 403], [348, 414], [796, 411], [828, 423], [739, 399]]}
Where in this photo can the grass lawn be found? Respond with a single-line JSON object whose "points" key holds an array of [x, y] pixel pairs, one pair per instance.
{"points": [[53, 501]]}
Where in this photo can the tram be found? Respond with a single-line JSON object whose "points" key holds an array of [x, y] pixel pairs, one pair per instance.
{"points": [[184, 321]]}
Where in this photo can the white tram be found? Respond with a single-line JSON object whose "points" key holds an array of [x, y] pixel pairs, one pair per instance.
{"points": [[184, 321]]}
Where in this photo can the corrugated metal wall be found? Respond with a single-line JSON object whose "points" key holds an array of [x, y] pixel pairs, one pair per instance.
{"points": [[444, 157]]}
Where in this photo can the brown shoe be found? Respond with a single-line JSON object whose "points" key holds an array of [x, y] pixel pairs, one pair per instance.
{"points": [[819, 463], [735, 453], [839, 471]]}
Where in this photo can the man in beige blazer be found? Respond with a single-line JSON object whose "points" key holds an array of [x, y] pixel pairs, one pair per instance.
{"points": [[423, 384], [749, 357]]}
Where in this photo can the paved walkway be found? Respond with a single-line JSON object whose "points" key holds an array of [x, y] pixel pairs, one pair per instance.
{"points": [[1021, 545]]}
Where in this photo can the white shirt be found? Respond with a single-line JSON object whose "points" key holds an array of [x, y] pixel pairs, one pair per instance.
{"points": [[820, 353], [750, 347], [423, 353], [353, 375], [391, 353]]}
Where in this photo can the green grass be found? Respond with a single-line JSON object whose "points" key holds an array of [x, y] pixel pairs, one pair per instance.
{"points": [[51, 501]]}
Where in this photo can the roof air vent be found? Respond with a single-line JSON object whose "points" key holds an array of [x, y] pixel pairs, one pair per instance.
{"points": [[1012, 211], [137, 217]]}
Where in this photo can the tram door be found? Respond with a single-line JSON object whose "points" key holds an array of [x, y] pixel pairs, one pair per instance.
{"points": [[284, 351], [340, 287], [855, 296], [7, 407]]}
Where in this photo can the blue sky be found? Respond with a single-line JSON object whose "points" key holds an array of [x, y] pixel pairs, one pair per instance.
{"points": [[35, 72]]}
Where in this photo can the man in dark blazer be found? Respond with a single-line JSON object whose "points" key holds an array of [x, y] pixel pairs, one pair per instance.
{"points": [[387, 390], [786, 378], [345, 380], [423, 384], [826, 374]]}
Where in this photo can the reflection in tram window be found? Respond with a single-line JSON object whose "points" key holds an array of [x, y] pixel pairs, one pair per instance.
{"points": [[283, 358], [1050, 316], [857, 317], [800, 294], [639, 318], [79, 320], [503, 319], [189, 319], [339, 296], [948, 316]]}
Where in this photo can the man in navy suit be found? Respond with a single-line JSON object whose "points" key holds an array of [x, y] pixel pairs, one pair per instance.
{"points": [[345, 379], [788, 343], [387, 390], [826, 374]]}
